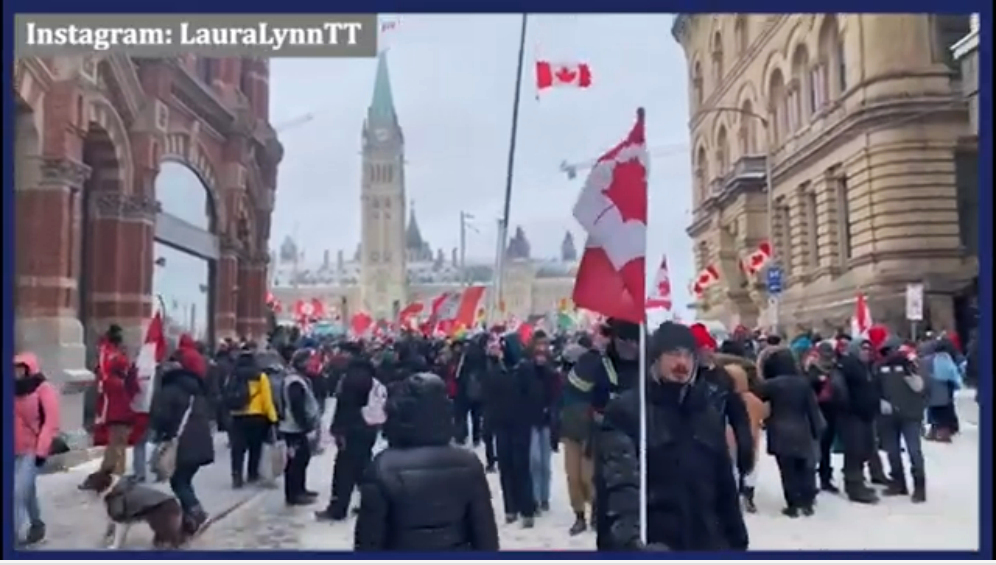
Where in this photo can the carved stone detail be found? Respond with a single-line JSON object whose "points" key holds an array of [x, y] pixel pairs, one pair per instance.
{"points": [[64, 172], [117, 205]]}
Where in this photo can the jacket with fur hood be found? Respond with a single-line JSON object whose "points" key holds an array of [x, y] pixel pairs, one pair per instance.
{"points": [[742, 372]]}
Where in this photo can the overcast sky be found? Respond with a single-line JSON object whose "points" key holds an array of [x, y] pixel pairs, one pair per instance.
{"points": [[453, 80]]}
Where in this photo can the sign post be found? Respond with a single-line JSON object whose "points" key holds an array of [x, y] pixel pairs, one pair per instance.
{"points": [[775, 285], [914, 307]]}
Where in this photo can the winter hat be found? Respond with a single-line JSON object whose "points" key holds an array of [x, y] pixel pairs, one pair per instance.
{"points": [[703, 339], [671, 337], [623, 329]]}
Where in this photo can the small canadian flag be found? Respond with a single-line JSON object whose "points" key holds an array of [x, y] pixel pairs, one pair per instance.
{"points": [[661, 297], [707, 277], [553, 75], [756, 261]]}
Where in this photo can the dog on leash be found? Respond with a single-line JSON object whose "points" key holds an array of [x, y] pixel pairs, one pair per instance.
{"points": [[128, 502]]}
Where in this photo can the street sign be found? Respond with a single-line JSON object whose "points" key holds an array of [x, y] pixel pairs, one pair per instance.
{"points": [[914, 302], [775, 282]]}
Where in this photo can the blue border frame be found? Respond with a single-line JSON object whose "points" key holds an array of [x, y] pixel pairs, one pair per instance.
{"points": [[553, 6]]}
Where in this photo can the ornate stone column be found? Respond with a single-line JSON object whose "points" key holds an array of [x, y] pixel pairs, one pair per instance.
{"points": [[120, 251], [226, 289]]}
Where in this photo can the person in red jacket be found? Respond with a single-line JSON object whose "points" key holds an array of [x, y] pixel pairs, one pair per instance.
{"points": [[117, 385]]}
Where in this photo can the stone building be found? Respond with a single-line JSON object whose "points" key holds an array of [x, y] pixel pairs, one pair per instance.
{"points": [[861, 122], [394, 265], [139, 181], [966, 52]]}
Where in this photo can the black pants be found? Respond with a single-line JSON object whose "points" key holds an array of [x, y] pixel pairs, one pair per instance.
{"points": [[350, 463], [464, 410], [860, 448], [512, 451], [296, 471], [826, 443], [797, 481], [246, 435], [488, 436]]}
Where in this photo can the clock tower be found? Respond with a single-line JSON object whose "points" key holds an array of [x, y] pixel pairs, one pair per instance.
{"points": [[383, 279]]}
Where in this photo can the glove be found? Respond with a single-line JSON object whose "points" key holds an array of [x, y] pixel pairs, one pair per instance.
{"points": [[885, 408], [40, 461]]}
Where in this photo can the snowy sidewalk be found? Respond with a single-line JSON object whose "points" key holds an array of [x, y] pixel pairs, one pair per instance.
{"points": [[77, 520], [949, 520]]}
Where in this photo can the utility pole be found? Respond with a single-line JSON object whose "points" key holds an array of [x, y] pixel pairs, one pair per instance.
{"points": [[464, 217]]}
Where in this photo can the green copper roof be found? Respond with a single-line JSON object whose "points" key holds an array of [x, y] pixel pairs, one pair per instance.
{"points": [[382, 105]]}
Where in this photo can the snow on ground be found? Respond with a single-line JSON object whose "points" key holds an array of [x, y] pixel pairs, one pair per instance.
{"points": [[949, 520]]}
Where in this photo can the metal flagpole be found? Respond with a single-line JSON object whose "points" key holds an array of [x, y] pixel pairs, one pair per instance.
{"points": [[643, 432], [503, 229]]}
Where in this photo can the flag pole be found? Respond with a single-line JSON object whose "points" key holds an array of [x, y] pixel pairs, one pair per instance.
{"points": [[503, 229], [643, 432]]}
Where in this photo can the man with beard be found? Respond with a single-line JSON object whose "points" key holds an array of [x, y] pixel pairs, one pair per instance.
{"points": [[601, 375], [420, 470], [692, 500], [856, 422]]}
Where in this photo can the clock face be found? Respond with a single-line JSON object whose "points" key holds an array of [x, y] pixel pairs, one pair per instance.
{"points": [[381, 134]]}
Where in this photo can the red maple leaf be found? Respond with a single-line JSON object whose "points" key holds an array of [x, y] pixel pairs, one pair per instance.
{"points": [[756, 259], [565, 74], [628, 190], [664, 288]]}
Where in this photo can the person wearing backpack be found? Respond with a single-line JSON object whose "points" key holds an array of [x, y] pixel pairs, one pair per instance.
{"points": [[355, 429], [300, 417], [36, 427], [248, 395]]}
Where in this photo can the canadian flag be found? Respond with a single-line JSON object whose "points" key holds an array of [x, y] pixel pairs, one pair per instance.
{"points": [[551, 75], [707, 277], [861, 321], [360, 323], [304, 310], [757, 260], [410, 313], [661, 299], [470, 302], [153, 353], [612, 208], [318, 309]]}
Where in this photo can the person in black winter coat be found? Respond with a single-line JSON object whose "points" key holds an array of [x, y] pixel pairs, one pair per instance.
{"points": [[471, 364], [692, 500], [731, 406], [794, 427], [180, 391], [354, 437], [538, 376], [421, 493], [857, 423], [506, 394]]}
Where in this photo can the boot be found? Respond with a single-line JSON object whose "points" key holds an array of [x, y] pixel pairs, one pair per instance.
{"points": [[510, 518], [791, 511], [544, 506], [897, 487], [942, 435], [580, 524], [826, 485], [919, 489], [860, 493], [237, 481], [528, 522], [808, 510], [36, 533], [748, 496]]}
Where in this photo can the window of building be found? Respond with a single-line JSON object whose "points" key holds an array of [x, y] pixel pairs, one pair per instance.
{"points": [[701, 175], [741, 34], [748, 129], [831, 56], [697, 86], [205, 69], [722, 153], [717, 59], [776, 105], [802, 86], [948, 29], [783, 235], [812, 226], [845, 230]]}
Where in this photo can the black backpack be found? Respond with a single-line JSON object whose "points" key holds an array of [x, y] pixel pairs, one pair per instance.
{"points": [[235, 394]]}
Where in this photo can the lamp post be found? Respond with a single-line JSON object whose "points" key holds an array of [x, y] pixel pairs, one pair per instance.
{"points": [[768, 181]]}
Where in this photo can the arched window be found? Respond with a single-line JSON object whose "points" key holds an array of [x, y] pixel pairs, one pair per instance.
{"points": [[801, 104], [778, 120], [748, 128], [182, 194], [722, 152], [741, 34], [831, 60], [701, 174], [697, 93], [717, 58]]}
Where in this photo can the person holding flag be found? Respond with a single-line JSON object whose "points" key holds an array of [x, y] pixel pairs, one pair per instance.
{"points": [[692, 501]]}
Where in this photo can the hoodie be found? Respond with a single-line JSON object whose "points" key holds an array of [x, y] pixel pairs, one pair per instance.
{"points": [[189, 357], [36, 410]]}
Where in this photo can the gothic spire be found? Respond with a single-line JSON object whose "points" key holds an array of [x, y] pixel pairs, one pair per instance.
{"points": [[413, 235], [382, 104]]}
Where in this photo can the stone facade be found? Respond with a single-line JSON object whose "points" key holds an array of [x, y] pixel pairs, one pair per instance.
{"points": [[91, 133], [857, 118]]}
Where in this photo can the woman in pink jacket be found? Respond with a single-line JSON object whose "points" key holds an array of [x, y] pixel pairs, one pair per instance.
{"points": [[36, 424]]}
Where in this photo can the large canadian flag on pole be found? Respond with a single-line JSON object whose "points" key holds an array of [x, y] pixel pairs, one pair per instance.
{"points": [[612, 208]]}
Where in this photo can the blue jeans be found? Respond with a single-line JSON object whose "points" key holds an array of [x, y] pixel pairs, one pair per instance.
{"points": [[25, 494], [540, 453], [140, 457], [182, 485], [895, 433]]}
